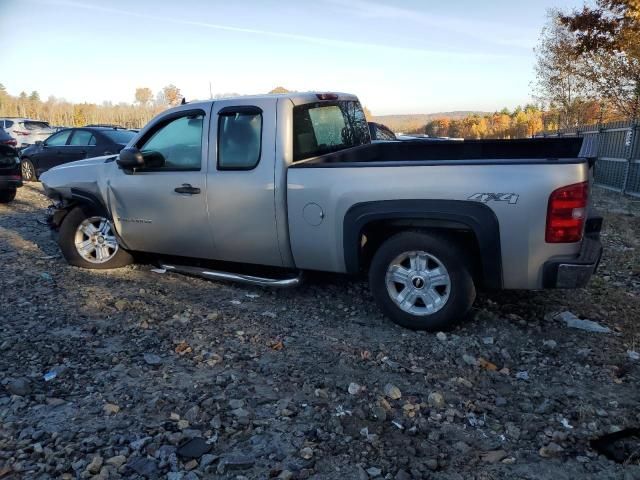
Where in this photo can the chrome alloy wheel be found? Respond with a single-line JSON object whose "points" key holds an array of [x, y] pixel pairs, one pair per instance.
{"points": [[418, 283], [95, 241], [27, 171]]}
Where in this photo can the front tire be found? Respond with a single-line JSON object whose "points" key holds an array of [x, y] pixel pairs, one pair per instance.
{"points": [[87, 239], [7, 196], [28, 170], [421, 281]]}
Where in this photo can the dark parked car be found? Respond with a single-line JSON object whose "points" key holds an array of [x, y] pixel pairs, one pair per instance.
{"points": [[10, 178], [70, 145], [6, 139], [381, 133]]}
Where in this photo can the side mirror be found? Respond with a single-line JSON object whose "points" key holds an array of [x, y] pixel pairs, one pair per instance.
{"points": [[130, 158], [39, 142]]}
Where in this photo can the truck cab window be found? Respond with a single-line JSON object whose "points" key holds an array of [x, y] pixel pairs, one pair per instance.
{"points": [[179, 142], [239, 139], [321, 128]]}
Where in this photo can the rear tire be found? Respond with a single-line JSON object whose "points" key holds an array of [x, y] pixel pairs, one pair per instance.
{"points": [[28, 171], [87, 240], [421, 281], [7, 196]]}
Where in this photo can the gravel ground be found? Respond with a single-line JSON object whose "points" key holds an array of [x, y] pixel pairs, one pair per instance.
{"points": [[132, 374]]}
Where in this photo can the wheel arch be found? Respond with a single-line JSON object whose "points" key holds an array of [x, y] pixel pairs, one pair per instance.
{"points": [[83, 199], [368, 224]]}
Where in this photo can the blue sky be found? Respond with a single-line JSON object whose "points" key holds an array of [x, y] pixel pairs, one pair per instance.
{"points": [[407, 56]]}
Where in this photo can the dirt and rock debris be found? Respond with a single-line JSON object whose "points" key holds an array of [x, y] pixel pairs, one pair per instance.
{"points": [[134, 374]]}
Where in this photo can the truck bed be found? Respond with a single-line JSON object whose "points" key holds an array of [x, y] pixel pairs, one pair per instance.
{"points": [[468, 151]]}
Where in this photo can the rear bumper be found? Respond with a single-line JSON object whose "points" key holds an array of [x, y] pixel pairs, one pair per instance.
{"points": [[575, 273], [8, 182]]}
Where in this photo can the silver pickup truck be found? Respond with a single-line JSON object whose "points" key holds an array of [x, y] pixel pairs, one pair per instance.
{"points": [[293, 182]]}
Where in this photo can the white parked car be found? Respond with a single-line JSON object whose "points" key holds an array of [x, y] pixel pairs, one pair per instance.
{"points": [[26, 131]]}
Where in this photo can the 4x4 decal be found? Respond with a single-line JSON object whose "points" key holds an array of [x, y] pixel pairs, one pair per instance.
{"points": [[512, 198]]}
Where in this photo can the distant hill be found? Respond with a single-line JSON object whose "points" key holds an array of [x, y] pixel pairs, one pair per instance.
{"points": [[407, 123]]}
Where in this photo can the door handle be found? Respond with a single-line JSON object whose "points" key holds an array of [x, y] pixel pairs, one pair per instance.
{"points": [[188, 189]]}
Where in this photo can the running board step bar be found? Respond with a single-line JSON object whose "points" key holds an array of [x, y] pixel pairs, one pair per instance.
{"points": [[235, 277]]}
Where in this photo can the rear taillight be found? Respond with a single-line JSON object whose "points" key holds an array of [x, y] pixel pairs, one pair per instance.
{"points": [[566, 213], [11, 142], [18, 132]]}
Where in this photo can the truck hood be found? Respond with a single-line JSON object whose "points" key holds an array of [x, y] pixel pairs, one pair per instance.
{"points": [[83, 175]]}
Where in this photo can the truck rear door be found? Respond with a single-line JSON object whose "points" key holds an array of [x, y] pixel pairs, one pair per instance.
{"points": [[240, 182]]}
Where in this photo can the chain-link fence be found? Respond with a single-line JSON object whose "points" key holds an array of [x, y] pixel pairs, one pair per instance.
{"points": [[617, 149]]}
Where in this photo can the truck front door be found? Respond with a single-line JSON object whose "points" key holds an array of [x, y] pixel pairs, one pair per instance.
{"points": [[240, 185], [162, 209]]}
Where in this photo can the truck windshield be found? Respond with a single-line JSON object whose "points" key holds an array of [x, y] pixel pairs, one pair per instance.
{"points": [[326, 127]]}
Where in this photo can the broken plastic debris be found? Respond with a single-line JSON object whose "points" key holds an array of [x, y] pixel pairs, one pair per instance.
{"points": [[50, 375], [522, 375], [397, 424], [565, 423], [236, 302], [252, 295], [574, 322], [369, 436], [341, 412], [159, 270], [633, 355]]}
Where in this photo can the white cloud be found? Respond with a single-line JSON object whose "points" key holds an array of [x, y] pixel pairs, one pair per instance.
{"points": [[489, 32], [283, 35]]}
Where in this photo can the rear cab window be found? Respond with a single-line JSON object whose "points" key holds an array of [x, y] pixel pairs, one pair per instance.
{"points": [[326, 127]]}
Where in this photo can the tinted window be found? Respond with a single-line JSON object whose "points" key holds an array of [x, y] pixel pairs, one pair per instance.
{"points": [[35, 125], [82, 137], [239, 140], [8, 123], [119, 136], [321, 128], [179, 142], [58, 139], [383, 133]]}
